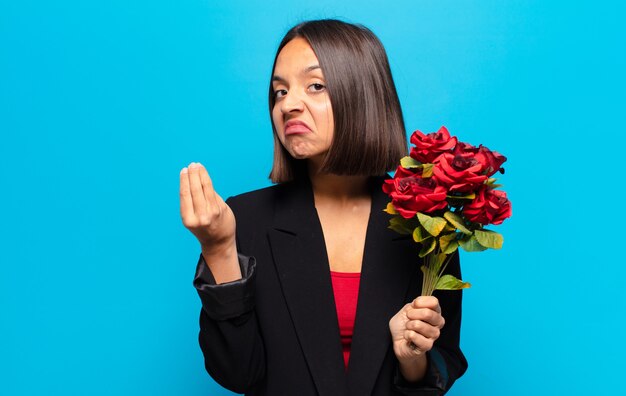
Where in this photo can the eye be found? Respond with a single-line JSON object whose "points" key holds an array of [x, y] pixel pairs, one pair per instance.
{"points": [[279, 93], [317, 87]]}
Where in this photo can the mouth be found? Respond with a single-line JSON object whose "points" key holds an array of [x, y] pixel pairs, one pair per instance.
{"points": [[295, 127]]}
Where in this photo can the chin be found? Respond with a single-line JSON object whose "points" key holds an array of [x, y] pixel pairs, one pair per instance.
{"points": [[299, 154], [305, 153]]}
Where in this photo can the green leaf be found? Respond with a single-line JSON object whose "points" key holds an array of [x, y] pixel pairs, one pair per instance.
{"points": [[434, 225], [470, 244], [390, 209], [400, 225], [427, 170], [489, 239], [491, 182], [449, 282], [457, 221], [448, 243], [409, 162], [420, 234], [448, 228], [428, 245]]}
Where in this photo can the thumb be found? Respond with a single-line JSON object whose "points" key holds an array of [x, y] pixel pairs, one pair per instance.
{"points": [[425, 302]]}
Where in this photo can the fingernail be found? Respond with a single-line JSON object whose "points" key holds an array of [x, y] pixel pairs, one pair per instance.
{"points": [[184, 170]]}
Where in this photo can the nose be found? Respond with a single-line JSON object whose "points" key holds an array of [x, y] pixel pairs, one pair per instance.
{"points": [[292, 102]]}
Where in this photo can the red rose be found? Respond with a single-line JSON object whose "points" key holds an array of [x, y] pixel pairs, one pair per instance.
{"points": [[458, 173], [465, 149], [428, 147], [410, 193], [489, 207], [491, 160]]}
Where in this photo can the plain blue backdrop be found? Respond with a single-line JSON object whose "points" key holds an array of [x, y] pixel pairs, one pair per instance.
{"points": [[103, 102]]}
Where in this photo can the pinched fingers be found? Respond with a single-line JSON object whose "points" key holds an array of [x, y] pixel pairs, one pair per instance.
{"points": [[197, 198], [216, 207], [197, 192], [207, 186], [186, 202]]}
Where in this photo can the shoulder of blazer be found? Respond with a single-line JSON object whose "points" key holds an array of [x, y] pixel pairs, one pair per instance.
{"points": [[249, 203], [254, 210]]}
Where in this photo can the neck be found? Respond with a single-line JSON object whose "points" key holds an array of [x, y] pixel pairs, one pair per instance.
{"points": [[338, 187]]}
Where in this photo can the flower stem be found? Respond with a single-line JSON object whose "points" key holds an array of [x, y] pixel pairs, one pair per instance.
{"points": [[430, 276]]}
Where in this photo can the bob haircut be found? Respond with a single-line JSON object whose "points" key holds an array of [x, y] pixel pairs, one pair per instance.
{"points": [[369, 136]]}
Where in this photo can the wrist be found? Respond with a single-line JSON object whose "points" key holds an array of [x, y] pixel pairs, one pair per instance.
{"points": [[222, 262], [411, 359], [413, 369], [221, 249]]}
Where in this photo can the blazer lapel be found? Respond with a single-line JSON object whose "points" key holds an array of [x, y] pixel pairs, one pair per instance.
{"points": [[299, 251], [385, 279]]}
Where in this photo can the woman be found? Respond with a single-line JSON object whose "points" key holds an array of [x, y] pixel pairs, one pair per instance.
{"points": [[283, 268]]}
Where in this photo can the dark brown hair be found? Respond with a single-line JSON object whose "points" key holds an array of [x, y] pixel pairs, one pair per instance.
{"points": [[369, 136]]}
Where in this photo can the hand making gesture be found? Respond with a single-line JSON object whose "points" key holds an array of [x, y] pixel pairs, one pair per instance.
{"points": [[211, 220]]}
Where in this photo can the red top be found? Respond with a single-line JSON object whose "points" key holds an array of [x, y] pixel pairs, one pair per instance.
{"points": [[346, 290]]}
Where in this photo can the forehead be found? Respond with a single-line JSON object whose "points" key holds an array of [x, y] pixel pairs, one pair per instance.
{"points": [[296, 56]]}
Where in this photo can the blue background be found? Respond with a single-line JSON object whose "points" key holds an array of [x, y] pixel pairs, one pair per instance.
{"points": [[102, 103]]}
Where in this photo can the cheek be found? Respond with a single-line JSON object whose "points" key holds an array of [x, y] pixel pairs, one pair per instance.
{"points": [[276, 117], [326, 120], [277, 122]]}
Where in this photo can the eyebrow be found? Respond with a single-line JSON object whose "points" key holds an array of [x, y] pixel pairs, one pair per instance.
{"points": [[307, 70]]}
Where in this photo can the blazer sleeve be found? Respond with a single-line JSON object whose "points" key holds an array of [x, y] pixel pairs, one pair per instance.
{"points": [[446, 362], [230, 339]]}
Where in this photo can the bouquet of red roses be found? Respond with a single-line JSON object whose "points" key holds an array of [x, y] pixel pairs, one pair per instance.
{"points": [[444, 194]]}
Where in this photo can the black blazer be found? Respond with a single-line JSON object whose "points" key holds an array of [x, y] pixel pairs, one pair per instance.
{"points": [[275, 331]]}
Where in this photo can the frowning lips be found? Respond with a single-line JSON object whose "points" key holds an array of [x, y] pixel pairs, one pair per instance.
{"points": [[295, 127]]}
